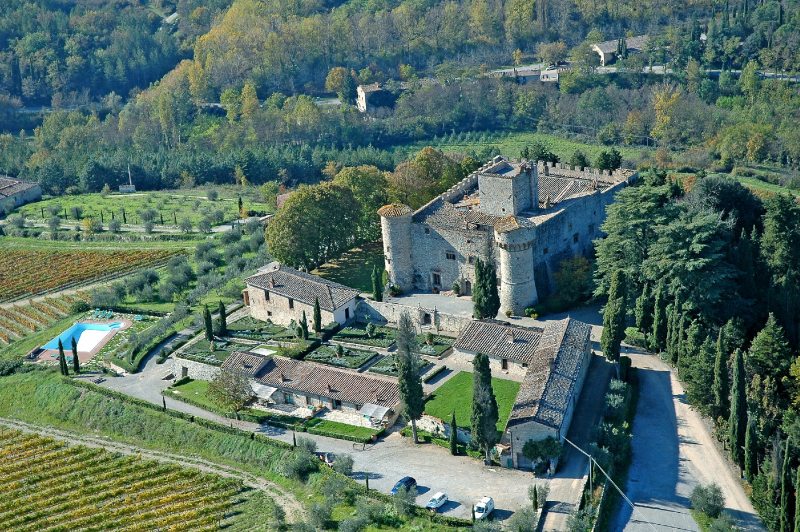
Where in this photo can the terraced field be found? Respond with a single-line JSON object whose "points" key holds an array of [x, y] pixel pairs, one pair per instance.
{"points": [[27, 272], [49, 485], [22, 320]]}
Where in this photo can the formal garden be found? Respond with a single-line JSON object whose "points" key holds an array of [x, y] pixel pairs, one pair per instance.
{"points": [[202, 351], [369, 334], [388, 366], [338, 355], [455, 395]]}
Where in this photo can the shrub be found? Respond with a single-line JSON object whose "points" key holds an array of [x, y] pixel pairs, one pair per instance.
{"points": [[319, 515], [615, 407], [10, 366], [404, 501], [299, 465], [708, 499], [308, 445], [78, 306], [343, 464]]}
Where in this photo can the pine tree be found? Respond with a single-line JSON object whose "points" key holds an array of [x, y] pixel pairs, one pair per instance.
{"points": [[223, 320], [408, 378], [304, 326], [787, 504], [738, 416], [453, 435], [658, 338], [484, 406], [62, 360], [76, 364], [377, 285], [750, 451], [614, 317], [208, 324], [317, 316], [720, 386]]}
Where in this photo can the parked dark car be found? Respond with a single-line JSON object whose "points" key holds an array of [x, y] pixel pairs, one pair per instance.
{"points": [[405, 482]]}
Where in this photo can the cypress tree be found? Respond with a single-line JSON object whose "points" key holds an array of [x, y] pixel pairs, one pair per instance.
{"points": [[535, 498], [223, 320], [304, 326], [479, 292], [750, 451], [643, 311], [787, 504], [658, 338], [680, 339], [670, 343], [614, 317], [377, 288], [720, 387], [208, 324], [62, 360], [738, 416], [453, 435], [408, 366], [484, 406], [76, 364], [490, 282], [317, 316]]}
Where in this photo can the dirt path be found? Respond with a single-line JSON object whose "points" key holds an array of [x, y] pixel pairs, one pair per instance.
{"points": [[294, 510]]}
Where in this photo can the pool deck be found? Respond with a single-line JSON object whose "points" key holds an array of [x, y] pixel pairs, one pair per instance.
{"points": [[85, 356]]}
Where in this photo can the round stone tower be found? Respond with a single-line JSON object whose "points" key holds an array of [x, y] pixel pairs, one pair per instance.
{"points": [[514, 238], [396, 232]]}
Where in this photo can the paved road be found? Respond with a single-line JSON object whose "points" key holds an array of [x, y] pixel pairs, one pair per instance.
{"points": [[673, 452], [464, 479]]}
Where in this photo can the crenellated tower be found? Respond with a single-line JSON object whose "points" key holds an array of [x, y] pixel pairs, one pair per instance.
{"points": [[514, 237], [396, 232]]}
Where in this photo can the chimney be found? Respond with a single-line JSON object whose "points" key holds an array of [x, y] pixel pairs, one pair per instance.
{"points": [[272, 282], [510, 336]]}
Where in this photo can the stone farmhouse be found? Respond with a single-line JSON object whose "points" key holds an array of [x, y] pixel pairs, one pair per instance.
{"points": [[280, 380], [607, 50], [511, 349], [550, 390], [527, 217], [15, 193], [281, 294]]}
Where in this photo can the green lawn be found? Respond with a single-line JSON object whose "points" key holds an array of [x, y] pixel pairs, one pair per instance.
{"points": [[222, 350], [511, 144], [336, 429], [196, 392], [173, 205], [456, 395], [439, 345], [352, 358], [354, 268]]}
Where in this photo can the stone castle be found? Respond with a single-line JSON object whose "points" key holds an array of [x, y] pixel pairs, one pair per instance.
{"points": [[525, 216]]}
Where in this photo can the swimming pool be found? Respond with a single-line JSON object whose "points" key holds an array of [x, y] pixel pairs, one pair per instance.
{"points": [[86, 335]]}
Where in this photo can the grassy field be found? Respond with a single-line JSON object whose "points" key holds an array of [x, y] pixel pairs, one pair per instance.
{"points": [[336, 429], [354, 268], [173, 205], [456, 395], [30, 272], [511, 144], [48, 484]]}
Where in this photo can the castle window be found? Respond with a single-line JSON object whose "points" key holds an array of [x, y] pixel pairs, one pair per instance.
{"points": [[266, 295], [575, 238], [471, 260], [469, 241], [427, 231], [437, 279], [291, 303], [450, 255]]}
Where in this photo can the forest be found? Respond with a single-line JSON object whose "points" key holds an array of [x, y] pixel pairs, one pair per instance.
{"points": [[708, 273]]}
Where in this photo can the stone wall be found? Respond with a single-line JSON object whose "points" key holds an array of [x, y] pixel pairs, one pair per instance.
{"points": [[182, 367], [383, 313], [430, 249], [515, 370], [277, 310]]}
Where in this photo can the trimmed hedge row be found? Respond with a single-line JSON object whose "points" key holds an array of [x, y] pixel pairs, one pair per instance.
{"points": [[434, 374]]}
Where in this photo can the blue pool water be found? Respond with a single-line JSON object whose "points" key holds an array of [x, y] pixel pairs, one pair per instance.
{"points": [[76, 331]]}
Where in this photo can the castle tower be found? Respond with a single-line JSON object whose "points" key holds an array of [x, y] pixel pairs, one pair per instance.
{"points": [[532, 171], [514, 237], [396, 232]]}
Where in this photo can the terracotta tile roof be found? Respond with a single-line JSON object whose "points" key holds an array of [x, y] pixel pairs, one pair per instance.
{"points": [[321, 380], [301, 286], [549, 384], [10, 186], [500, 340], [393, 210], [511, 223]]}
